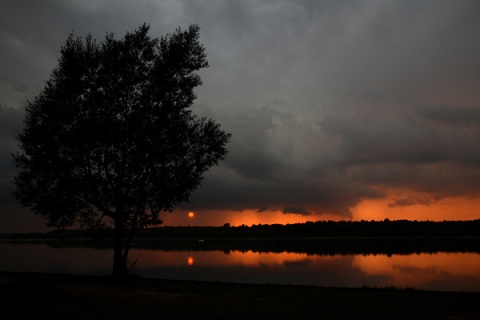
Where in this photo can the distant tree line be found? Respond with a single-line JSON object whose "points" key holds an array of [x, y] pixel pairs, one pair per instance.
{"points": [[311, 246], [319, 229], [315, 238], [321, 246]]}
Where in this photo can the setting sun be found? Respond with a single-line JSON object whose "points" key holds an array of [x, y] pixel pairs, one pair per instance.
{"points": [[191, 214]]}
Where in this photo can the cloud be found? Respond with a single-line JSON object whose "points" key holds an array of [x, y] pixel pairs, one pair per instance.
{"points": [[262, 209], [410, 201], [10, 126], [295, 210], [453, 117], [329, 102]]}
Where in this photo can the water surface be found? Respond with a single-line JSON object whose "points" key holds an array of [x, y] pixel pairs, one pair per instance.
{"points": [[431, 271]]}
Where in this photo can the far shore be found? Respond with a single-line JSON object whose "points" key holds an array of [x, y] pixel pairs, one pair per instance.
{"points": [[56, 296]]}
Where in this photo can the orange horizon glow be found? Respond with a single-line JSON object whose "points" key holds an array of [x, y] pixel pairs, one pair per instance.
{"points": [[247, 217], [449, 209]]}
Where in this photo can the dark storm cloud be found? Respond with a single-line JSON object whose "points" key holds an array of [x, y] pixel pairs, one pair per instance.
{"points": [[328, 101], [410, 148], [402, 136], [468, 117], [410, 201], [10, 125], [296, 210]]}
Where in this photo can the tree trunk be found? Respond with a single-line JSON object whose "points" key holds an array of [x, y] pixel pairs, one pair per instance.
{"points": [[119, 263], [127, 246]]}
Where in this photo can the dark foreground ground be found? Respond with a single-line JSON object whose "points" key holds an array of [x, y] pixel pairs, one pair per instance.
{"points": [[46, 296]]}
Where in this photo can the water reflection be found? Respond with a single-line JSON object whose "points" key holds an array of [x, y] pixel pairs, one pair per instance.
{"points": [[41, 257], [444, 270], [439, 271]]}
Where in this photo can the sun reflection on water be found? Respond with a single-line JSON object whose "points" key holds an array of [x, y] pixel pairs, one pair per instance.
{"points": [[438, 271]]}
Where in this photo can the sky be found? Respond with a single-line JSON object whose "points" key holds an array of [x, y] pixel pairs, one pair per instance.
{"points": [[339, 110]]}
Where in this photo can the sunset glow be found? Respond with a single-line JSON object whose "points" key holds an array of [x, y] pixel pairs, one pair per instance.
{"points": [[378, 210], [240, 159], [449, 208], [238, 218], [313, 140]]}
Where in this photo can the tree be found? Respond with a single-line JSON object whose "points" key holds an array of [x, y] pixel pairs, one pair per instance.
{"points": [[111, 139]]}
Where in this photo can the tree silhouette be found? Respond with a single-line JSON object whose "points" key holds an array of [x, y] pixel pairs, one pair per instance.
{"points": [[111, 139]]}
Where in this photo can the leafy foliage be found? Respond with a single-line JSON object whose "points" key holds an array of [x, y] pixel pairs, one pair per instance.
{"points": [[112, 137]]}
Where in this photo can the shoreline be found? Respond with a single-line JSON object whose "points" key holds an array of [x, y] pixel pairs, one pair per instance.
{"points": [[60, 296]]}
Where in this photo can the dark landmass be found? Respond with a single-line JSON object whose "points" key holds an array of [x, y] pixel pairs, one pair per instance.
{"points": [[319, 229], [311, 246], [320, 238], [48, 296]]}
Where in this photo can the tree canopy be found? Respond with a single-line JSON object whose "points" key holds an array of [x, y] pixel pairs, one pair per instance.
{"points": [[112, 139]]}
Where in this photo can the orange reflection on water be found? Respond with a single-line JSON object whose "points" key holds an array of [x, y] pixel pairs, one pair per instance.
{"points": [[216, 258], [439, 271], [265, 258], [413, 270]]}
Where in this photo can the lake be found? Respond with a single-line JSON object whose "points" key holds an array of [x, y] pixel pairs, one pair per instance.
{"points": [[446, 271]]}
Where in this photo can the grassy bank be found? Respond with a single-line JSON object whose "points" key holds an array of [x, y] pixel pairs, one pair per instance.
{"points": [[48, 296]]}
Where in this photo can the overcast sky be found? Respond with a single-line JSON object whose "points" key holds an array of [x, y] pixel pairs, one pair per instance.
{"points": [[331, 103]]}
